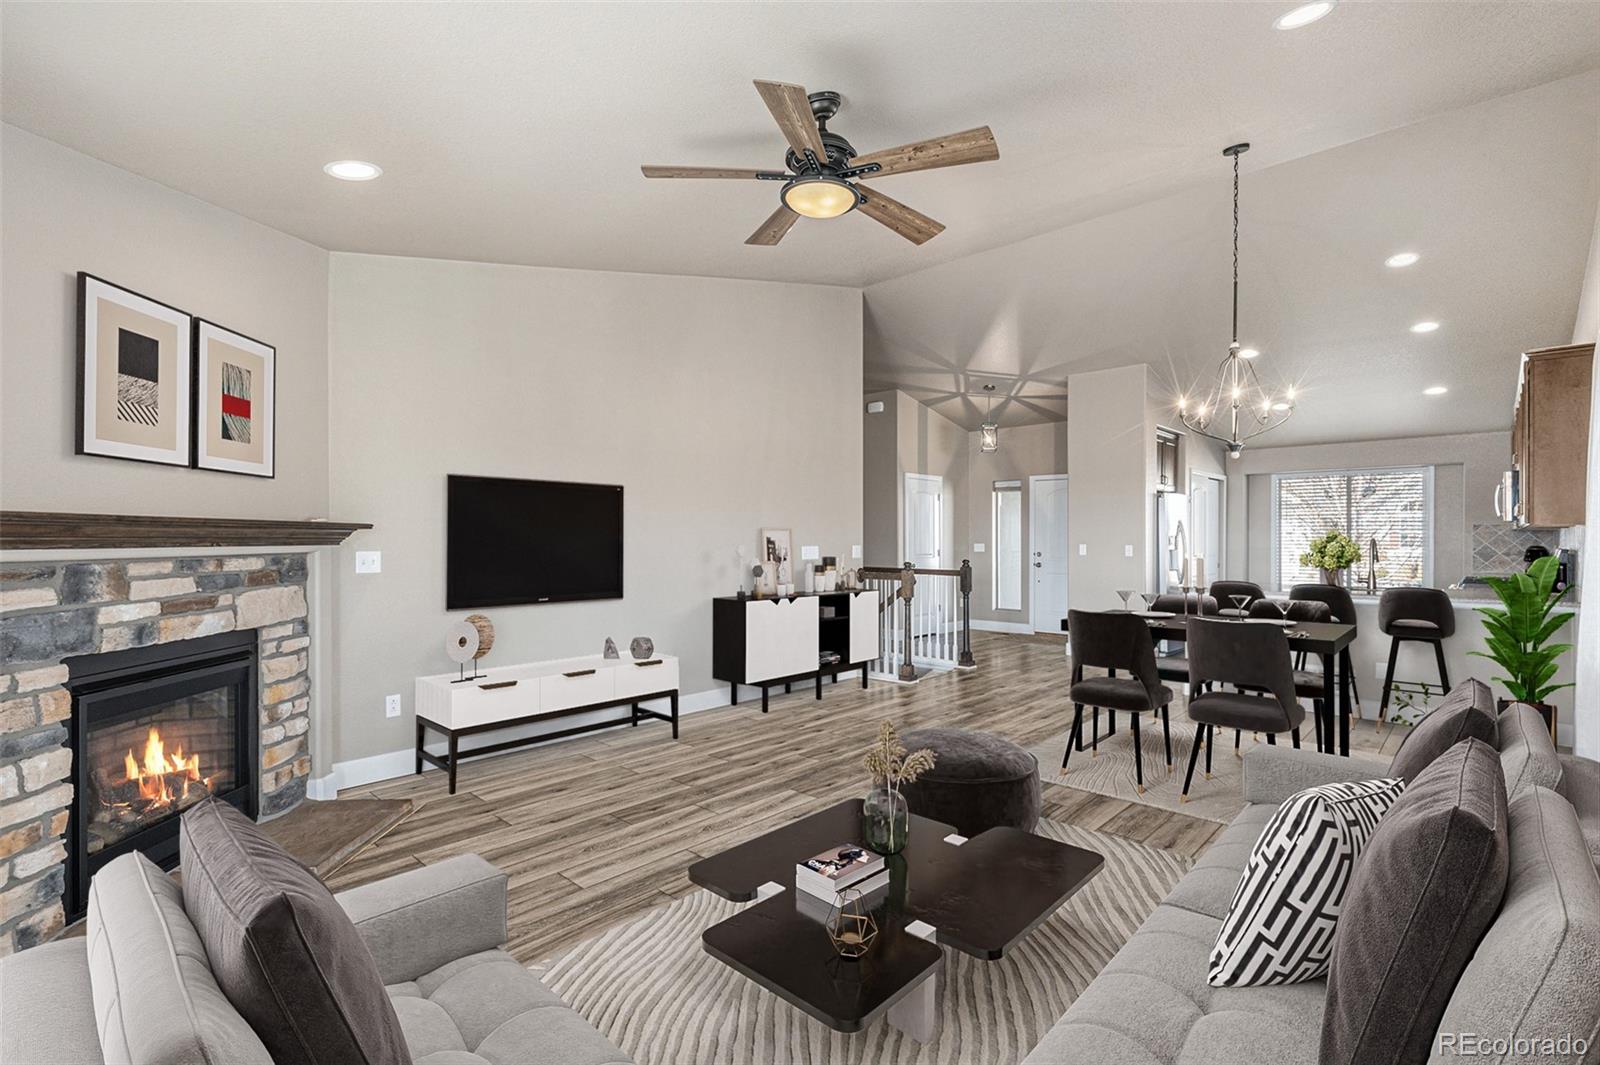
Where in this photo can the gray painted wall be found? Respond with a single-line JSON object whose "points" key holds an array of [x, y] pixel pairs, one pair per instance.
{"points": [[660, 384], [1111, 459], [1466, 468], [64, 212]]}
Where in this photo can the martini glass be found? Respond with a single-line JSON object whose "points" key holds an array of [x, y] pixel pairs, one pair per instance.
{"points": [[1149, 600], [1240, 602], [1125, 593]]}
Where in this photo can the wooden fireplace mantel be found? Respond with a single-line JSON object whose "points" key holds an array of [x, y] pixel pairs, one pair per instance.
{"points": [[32, 530]]}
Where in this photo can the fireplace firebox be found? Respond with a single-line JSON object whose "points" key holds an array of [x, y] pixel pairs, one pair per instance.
{"points": [[155, 730]]}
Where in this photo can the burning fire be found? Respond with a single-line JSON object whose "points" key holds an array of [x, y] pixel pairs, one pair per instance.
{"points": [[160, 773]]}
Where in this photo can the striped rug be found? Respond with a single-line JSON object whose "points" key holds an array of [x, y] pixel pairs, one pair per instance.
{"points": [[651, 989]]}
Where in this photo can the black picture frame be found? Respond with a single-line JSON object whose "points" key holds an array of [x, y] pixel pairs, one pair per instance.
{"points": [[82, 442]]}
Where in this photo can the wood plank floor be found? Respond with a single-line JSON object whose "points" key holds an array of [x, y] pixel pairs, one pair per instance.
{"points": [[596, 830]]}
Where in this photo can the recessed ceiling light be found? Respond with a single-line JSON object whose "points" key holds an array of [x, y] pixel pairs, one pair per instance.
{"points": [[1405, 258], [1435, 390], [352, 170], [1424, 327], [1248, 353], [1304, 15]]}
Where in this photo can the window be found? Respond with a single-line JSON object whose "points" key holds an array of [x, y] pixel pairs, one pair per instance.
{"points": [[1395, 507], [1007, 545]]}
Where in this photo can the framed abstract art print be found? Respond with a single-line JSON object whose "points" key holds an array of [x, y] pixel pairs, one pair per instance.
{"points": [[236, 401], [135, 372]]}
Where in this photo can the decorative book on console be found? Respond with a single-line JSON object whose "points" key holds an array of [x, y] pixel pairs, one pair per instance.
{"points": [[847, 866]]}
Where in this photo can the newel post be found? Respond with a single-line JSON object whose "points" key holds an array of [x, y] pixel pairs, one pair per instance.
{"points": [[966, 660], [908, 587]]}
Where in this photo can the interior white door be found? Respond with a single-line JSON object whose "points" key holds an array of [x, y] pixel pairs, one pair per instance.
{"points": [[1206, 506], [1049, 547], [925, 520]]}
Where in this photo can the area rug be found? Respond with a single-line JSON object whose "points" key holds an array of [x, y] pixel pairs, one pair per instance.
{"points": [[1111, 772], [654, 992]]}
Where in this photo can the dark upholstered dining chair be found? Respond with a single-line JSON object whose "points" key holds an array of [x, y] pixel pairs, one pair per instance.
{"points": [[1176, 667], [1307, 682], [1247, 656], [1115, 641], [1421, 615], [1223, 592], [1344, 612]]}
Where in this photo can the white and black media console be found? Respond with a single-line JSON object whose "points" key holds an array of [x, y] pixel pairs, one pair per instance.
{"points": [[780, 640]]}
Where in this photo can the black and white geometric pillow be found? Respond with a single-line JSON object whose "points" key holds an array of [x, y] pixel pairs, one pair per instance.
{"points": [[1279, 928]]}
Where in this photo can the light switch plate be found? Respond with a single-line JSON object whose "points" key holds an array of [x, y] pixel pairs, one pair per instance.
{"points": [[855, 550], [369, 562], [391, 705], [810, 554], [977, 549], [1127, 550], [1083, 549], [875, 407]]}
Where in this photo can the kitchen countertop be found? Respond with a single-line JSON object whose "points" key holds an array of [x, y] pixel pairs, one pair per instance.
{"points": [[1471, 596]]}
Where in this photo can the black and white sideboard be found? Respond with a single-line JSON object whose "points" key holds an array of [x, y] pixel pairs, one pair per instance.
{"points": [[767, 642]]}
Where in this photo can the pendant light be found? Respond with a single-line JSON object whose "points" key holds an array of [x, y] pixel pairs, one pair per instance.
{"points": [[989, 432], [1238, 406]]}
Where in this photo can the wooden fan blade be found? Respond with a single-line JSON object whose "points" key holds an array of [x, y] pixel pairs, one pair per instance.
{"points": [[915, 226], [790, 107], [773, 229], [700, 172], [968, 146]]}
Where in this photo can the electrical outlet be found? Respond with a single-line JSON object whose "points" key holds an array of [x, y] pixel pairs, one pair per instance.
{"points": [[977, 549], [1127, 550], [1083, 549], [391, 705], [369, 561], [810, 553]]}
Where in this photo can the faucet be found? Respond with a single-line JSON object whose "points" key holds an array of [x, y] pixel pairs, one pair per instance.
{"points": [[1372, 566]]}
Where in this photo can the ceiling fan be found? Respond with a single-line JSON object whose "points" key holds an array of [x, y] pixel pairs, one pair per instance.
{"points": [[823, 167]]}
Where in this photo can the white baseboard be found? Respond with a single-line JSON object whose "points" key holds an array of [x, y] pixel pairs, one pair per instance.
{"points": [[1018, 627], [392, 764]]}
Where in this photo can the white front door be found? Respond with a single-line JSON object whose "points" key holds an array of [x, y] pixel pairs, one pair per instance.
{"points": [[1048, 549], [925, 520], [1206, 503]]}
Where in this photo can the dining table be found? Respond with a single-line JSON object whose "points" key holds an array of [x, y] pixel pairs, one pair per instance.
{"points": [[1328, 640]]}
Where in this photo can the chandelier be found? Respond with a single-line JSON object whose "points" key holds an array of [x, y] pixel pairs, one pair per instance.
{"points": [[989, 432], [1238, 406]]}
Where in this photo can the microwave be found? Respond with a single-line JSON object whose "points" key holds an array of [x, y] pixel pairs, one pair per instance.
{"points": [[1508, 498]]}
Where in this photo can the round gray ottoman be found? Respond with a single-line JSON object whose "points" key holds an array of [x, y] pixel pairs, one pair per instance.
{"points": [[978, 781]]}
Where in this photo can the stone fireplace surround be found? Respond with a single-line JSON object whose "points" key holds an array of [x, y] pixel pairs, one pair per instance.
{"points": [[53, 610]]}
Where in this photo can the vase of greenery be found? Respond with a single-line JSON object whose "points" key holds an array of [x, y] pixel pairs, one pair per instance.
{"points": [[884, 815], [1520, 631], [1333, 553]]}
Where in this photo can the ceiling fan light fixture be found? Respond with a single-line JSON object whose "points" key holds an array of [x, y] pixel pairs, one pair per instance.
{"points": [[819, 196]]}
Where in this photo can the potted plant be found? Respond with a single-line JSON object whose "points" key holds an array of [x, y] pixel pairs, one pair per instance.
{"points": [[1519, 633], [1333, 553], [884, 815]]}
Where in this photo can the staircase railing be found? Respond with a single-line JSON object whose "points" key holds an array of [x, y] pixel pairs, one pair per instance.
{"points": [[924, 619]]}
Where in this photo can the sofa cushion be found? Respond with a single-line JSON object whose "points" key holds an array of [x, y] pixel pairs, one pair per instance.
{"points": [[1280, 924], [1209, 885], [1533, 975], [486, 1007], [1580, 786], [282, 949], [1151, 1005], [1466, 713], [154, 996], [1423, 893], [46, 1011], [1527, 757]]}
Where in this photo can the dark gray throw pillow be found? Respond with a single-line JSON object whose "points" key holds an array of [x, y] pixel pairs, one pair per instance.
{"points": [[281, 948], [1466, 713], [1422, 895]]}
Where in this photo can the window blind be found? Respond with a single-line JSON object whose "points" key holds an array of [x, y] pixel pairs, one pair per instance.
{"points": [[1391, 506]]}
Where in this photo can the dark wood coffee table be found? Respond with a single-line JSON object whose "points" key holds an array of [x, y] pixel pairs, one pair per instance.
{"points": [[979, 896]]}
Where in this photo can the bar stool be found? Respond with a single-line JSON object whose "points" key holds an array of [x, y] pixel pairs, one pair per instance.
{"points": [[1116, 641], [1420, 615], [1223, 592], [1344, 613], [1246, 656]]}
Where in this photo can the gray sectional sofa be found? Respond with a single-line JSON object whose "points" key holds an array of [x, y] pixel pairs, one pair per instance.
{"points": [[435, 933], [1535, 973]]}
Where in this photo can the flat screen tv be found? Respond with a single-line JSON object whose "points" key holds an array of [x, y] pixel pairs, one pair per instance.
{"points": [[511, 541]]}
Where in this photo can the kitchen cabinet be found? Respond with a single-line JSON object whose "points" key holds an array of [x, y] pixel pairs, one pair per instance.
{"points": [[1550, 435]]}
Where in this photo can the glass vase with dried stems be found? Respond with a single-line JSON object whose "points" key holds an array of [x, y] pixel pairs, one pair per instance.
{"points": [[884, 815]]}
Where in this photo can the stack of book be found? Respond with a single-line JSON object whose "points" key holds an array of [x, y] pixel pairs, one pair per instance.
{"points": [[846, 867]]}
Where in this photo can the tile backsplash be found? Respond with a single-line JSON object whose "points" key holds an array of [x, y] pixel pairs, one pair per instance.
{"points": [[1498, 548]]}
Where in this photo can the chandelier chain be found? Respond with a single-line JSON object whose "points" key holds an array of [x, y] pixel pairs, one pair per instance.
{"points": [[1236, 248]]}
